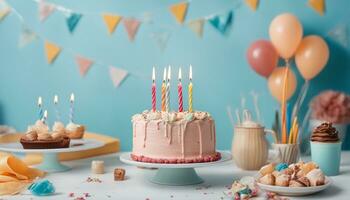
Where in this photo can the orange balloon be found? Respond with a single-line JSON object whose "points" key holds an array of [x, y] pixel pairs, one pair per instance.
{"points": [[311, 56], [276, 81], [286, 33]]}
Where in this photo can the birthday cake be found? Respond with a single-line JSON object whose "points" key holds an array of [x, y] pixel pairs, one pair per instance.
{"points": [[174, 137]]}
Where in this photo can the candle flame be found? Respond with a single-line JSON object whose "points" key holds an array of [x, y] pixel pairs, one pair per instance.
{"points": [[40, 101], [164, 74], [153, 74], [45, 114], [72, 98], [180, 74], [55, 99], [190, 72], [169, 73]]}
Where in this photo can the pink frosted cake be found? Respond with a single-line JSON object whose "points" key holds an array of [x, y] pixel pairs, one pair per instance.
{"points": [[175, 137]]}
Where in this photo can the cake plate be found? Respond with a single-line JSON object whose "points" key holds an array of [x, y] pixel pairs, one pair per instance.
{"points": [[175, 174], [50, 161]]}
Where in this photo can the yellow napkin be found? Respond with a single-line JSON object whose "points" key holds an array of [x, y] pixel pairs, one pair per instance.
{"points": [[111, 145], [15, 175]]}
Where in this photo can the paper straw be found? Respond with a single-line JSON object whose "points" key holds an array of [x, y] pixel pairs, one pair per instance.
{"points": [[238, 117], [283, 107], [229, 113], [256, 106]]}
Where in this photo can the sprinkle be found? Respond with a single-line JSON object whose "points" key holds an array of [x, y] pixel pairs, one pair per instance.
{"points": [[71, 194], [281, 166]]}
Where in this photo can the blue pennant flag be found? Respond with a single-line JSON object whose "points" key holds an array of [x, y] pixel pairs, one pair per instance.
{"points": [[72, 21], [222, 22]]}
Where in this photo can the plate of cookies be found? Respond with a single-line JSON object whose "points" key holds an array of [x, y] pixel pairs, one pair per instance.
{"points": [[297, 179]]}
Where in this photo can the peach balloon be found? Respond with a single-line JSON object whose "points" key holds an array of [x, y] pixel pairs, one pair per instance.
{"points": [[311, 56], [276, 81], [286, 33]]}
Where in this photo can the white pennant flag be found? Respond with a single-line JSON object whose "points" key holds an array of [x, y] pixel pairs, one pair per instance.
{"points": [[340, 34], [117, 75], [27, 36], [161, 39]]}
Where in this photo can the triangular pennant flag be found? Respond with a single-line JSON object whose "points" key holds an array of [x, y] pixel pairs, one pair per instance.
{"points": [[179, 11], [84, 64], [26, 37], [117, 75], [197, 26], [45, 9], [131, 25], [72, 21], [222, 22], [51, 51], [318, 5], [111, 21], [340, 34], [4, 9], [253, 4], [161, 39]]}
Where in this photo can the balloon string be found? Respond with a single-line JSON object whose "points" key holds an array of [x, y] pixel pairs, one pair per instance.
{"points": [[300, 99]]}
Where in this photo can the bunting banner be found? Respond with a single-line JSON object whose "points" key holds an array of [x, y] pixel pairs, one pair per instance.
{"points": [[197, 26], [222, 22], [27, 36], [131, 26], [161, 39], [4, 9], [45, 10], [340, 34], [84, 64], [318, 5], [51, 51], [111, 22], [72, 21], [253, 4], [117, 75], [179, 11]]}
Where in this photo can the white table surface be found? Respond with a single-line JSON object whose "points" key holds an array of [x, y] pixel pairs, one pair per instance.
{"points": [[136, 186]]}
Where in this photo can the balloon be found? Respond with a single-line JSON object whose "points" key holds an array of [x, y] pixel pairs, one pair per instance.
{"points": [[286, 33], [276, 81], [262, 57], [311, 56]]}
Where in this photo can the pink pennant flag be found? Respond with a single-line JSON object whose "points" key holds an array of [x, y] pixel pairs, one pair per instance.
{"points": [[84, 64], [45, 10], [131, 25], [117, 75]]}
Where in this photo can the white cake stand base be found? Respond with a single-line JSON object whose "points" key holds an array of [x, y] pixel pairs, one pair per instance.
{"points": [[50, 161], [175, 174]]}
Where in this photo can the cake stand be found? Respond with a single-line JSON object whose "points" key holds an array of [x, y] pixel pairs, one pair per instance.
{"points": [[175, 174], [50, 161]]}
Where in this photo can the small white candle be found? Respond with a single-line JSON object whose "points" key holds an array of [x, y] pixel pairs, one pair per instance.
{"points": [[168, 90], [71, 113], [45, 116], [40, 105], [55, 101]]}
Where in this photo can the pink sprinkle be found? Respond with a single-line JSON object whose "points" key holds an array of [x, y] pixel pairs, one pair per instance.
{"points": [[71, 194]]}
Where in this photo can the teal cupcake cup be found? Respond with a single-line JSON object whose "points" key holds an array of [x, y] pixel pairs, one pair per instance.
{"points": [[327, 156]]}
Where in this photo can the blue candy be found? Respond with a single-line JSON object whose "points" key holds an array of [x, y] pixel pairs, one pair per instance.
{"points": [[281, 166], [42, 188]]}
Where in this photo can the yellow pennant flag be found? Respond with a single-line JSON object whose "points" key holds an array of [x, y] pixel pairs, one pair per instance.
{"points": [[197, 26], [179, 11], [51, 51], [318, 5], [253, 4], [111, 21]]}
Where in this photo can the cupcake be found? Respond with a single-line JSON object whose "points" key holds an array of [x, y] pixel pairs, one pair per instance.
{"points": [[75, 131], [326, 148]]}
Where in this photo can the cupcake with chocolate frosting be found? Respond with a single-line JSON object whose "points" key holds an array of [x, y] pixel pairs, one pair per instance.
{"points": [[325, 133]]}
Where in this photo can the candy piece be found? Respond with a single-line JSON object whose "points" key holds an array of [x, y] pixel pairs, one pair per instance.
{"points": [[282, 180], [97, 167], [268, 179], [119, 174], [316, 177], [267, 169], [42, 188], [281, 166]]}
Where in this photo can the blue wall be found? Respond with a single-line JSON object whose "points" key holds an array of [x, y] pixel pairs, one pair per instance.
{"points": [[221, 72]]}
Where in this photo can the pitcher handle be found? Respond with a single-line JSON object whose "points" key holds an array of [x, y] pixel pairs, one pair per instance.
{"points": [[273, 133]]}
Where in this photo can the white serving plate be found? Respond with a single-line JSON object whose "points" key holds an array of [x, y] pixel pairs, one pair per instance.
{"points": [[296, 191]]}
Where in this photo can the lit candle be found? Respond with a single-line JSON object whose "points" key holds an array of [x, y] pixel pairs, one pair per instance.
{"points": [[154, 99], [179, 90], [167, 101], [190, 88], [44, 117], [55, 101], [71, 111], [163, 90], [40, 105]]}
